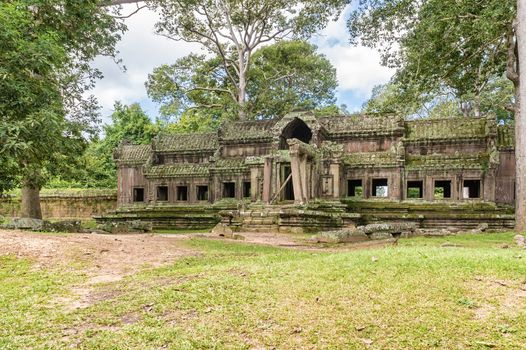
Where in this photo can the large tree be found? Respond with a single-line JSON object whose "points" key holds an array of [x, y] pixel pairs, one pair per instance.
{"points": [[45, 50], [283, 76], [458, 44], [233, 29], [520, 121]]}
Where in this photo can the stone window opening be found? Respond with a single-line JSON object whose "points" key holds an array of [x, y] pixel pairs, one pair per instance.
{"points": [[229, 190], [162, 193], [415, 189], [138, 194], [442, 189], [354, 188], [160, 159], [246, 189], [202, 193], [182, 193], [380, 188], [471, 189]]}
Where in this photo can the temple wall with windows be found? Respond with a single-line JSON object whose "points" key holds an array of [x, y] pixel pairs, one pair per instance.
{"points": [[299, 157]]}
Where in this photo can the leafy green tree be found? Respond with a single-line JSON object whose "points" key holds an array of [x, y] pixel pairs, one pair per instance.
{"points": [[97, 167], [233, 30], [283, 76], [45, 50], [497, 98]]}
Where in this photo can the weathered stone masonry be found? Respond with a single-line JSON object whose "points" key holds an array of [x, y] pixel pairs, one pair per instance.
{"points": [[300, 158]]}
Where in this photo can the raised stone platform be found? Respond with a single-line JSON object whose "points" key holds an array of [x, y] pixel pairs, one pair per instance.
{"points": [[434, 215], [317, 216]]}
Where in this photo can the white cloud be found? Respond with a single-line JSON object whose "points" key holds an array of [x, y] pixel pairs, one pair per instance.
{"points": [[141, 50], [358, 68]]}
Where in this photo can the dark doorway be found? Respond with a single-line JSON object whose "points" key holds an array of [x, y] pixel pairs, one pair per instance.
{"points": [[380, 188], [182, 193], [162, 193], [415, 189], [246, 189], [288, 191], [296, 129], [442, 189], [471, 189], [229, 190], [354, 188], [138, 194], [202, 193]]}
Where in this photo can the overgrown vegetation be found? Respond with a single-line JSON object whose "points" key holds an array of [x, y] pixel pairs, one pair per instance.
{"points": [[420, 294]]}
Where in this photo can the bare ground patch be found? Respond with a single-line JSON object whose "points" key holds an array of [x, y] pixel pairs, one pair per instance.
{"points": [[509, 297], [104, 258]]}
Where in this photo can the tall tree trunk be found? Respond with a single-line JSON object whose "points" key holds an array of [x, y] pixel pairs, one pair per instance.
{"points": [[520, 122], [30, 206], [242, 87]]}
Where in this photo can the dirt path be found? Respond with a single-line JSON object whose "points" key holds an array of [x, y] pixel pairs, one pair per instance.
{"points": [[103, 254]]}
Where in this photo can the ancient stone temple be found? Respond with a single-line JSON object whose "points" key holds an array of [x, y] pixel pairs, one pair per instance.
{"points": [[300, 159]]}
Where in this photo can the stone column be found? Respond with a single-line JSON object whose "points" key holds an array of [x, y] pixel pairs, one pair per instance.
{"points": [[295, 168], [254, 183], [303, 177], [334, 170], [267, 183]]}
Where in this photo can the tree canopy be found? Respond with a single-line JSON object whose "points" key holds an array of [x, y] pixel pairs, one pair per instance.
{"points": [[435, 44], [232, 30], [283, 76], [45, 52]]}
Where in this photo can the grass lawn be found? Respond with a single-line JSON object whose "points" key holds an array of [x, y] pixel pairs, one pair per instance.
{"points": [[419, 294]]}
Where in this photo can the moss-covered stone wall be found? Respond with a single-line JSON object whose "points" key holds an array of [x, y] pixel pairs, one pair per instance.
{"points": [[76, 204]]}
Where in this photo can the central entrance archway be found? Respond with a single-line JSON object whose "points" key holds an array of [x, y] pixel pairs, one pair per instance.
{"points": [[296, 129]]}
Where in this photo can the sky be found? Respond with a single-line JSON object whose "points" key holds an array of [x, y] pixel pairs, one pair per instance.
{"points": [[141, 50]]}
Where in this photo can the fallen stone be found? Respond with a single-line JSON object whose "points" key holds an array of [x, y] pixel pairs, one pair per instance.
{"points": [[340, 236], [387, 230], [67, 226], [520, 240], [27, 224], [222, 230], [135, 226]]}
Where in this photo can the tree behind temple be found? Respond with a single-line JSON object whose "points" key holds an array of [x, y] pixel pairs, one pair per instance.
{"points": [[283, 76], [232, 30]]}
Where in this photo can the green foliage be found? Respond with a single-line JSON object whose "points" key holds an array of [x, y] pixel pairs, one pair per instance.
{"points": [[290, 75], [459, 47], [282, 77], [45, 51], [97, 168], [496, 98], [232, 30]]}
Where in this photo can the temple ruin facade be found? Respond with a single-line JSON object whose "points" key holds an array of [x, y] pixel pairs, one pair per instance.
{"points": [[299, 157]]}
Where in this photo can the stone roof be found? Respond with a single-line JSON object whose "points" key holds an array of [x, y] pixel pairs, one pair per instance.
{"points": [[441, 162], [505, 137], [360, 125], [366, 159], [178, 170], [223, 165], [446, 129], [195, 142], [247, 131], [133, 154]]}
